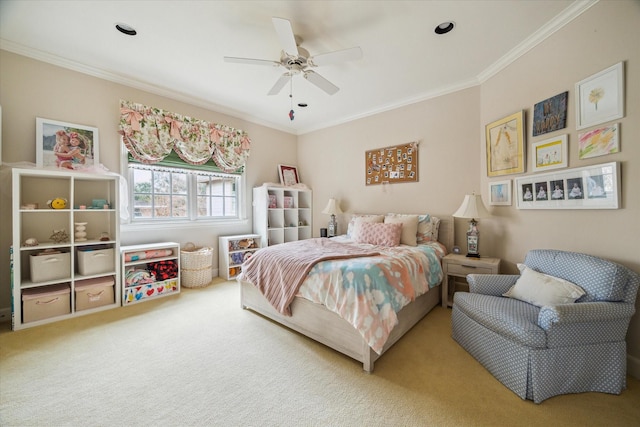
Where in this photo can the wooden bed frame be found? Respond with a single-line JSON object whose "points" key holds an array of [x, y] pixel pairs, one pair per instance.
{"points": [[316, 322]]}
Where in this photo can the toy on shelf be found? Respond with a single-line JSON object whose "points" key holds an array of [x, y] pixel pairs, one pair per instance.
{"points": [[57, 203]]}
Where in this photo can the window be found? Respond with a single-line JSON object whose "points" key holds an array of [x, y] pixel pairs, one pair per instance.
{"points": [[172, 193]]}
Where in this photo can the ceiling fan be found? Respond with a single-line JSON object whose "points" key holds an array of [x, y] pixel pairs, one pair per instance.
{"points": [[296, 60]]}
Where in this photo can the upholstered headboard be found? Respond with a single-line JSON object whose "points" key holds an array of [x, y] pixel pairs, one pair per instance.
{"points": [[446, 232]]}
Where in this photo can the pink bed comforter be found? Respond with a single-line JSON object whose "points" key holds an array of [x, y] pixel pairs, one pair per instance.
{"points": [[278, 271]]}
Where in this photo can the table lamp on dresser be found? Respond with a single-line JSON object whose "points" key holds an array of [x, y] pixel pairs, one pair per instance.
{"points": [[332, 209], [472, 207]]}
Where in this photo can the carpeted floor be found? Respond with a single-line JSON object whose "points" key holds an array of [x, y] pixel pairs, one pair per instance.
{"points": [[198, 359]]}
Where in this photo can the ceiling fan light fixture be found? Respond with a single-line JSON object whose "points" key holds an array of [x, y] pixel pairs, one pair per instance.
{"points": [[126, 29], [445, 27]]}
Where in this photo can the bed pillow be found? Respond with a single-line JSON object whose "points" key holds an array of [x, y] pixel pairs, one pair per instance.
{"points": [[361, 218], [409, 227], [541, 289], [376, 233], [428, 227]]}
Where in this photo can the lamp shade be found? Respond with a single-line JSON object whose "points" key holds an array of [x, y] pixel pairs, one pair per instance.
{"points": [[471, 207], [332, 208]]}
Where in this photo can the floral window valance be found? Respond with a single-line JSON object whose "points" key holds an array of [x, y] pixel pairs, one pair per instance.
{"points": [[151, 133]]}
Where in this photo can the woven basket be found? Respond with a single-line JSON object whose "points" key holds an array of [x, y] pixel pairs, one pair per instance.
{"points": [[195, 266]]}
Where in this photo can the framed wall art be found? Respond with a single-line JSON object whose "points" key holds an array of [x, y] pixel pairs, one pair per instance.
{"points": [[390, 165], [65, 145], [505, 145], [590, 187], [598, 142], [549, 154], [288, 175], [500, 193], [600, 97], [550, 115]]}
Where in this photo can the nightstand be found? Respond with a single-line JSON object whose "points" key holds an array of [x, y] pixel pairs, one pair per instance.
{"points": [[454, 265]]}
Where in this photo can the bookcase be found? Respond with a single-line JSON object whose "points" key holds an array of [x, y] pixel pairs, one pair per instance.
{"points": [[282, 214], [65, 237], [233, 251], [138, 263]]}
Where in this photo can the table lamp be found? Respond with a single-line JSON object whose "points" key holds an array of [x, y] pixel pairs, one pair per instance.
{"points": [[472, 207], [332, 209]]}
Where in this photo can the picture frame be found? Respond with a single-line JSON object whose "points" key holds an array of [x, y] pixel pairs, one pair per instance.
{"points": [[550, 115], [77, 149], [600, 97], [589, 187], [506, 145], [599, 142], [549, 154], [288, 175], [500, 193]]}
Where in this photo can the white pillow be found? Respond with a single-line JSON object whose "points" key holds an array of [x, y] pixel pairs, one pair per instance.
{"points": [[541, 289], [356, 219], [409, 227]]}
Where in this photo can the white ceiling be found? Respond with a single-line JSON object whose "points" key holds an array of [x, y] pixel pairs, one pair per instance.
{"points": [[180, 46]]}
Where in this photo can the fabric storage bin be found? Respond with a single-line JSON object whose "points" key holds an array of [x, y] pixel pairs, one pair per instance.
{"points": [[50, 266], [96, 261], [45, 302], [95, 292]]}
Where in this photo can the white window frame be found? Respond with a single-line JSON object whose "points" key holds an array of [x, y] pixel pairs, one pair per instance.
{"points": [[192, 218]]}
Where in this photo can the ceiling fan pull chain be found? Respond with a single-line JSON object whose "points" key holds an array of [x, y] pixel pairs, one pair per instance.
{"points": [[291, 98]]}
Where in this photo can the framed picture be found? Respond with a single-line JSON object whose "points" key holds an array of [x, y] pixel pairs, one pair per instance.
{"points": [[288, 175], [550, 115], [65, 145], [598, 142], [549, 154], [505, 145], [590, 187], [500, 193], [600, 98]]}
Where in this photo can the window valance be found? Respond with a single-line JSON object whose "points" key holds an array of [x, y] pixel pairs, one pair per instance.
{"points": [[150, 134]]}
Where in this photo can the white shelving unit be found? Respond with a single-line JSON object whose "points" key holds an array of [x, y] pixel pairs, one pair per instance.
{"points": [[282, 214], [95, 253], [233, 251], [136, 261]]}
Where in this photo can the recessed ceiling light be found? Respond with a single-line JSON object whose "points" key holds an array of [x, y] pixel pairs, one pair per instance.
{"points": [[302, 104], [126, 29], [445, 27]]}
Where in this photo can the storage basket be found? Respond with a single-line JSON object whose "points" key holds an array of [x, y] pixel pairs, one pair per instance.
{"points": [[195, 266]]}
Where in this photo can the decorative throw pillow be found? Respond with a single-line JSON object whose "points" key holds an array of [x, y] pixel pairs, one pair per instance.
{"points": [[409, 227], [541, 289], [361, 218], [427, 227], [379, 234]]}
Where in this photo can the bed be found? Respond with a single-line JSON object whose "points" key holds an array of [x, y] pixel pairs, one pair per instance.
{"points": [[318, 322]]}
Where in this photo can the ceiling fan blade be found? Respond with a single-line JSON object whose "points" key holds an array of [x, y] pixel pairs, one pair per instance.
{"points": [[285, 35], [252, 61], [337, 56], [321, 82], [283, 80]]}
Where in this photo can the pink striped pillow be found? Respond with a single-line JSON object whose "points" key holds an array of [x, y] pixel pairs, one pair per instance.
{"points": [[379, 233]]}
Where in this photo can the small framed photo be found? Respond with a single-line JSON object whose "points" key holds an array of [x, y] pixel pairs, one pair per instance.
{"points": [[505, 145], [549, 154], [500, 193], [600, 97], [550, 115], [65, 145], [598, 142], [288, 175]]}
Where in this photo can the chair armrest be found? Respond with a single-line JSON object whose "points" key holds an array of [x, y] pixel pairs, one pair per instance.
{"points": [[584, 312], [491, 284]]}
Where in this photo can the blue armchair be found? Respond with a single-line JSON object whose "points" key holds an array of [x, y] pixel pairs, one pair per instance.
{"points": [[541, 352]]}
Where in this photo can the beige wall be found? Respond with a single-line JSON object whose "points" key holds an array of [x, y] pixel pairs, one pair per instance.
{"points": [[450, 130], [452, 150]]}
